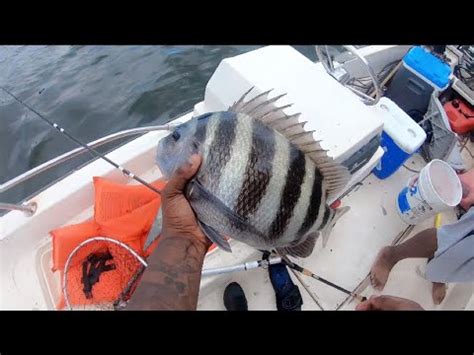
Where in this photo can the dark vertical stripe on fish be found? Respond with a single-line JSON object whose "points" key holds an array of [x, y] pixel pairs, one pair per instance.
{"points": [[221, 146], [327, 213], [200, 134], [314, 204], [258, 170], [291, 192]]}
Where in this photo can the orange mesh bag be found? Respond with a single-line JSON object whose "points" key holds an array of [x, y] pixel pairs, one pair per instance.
{"points": [[101, 261], [113, 200], [122, 213], [65, 239], [133, 226]]}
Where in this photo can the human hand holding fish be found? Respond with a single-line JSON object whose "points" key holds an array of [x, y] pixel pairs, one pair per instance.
{"points": [[179, 219], [172, 277]]}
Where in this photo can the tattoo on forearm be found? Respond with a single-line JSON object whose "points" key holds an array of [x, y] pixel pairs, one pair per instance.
{"points": [[172, 278]]}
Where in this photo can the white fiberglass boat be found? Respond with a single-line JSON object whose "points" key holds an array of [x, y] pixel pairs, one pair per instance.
{"points": [[349, 123]]}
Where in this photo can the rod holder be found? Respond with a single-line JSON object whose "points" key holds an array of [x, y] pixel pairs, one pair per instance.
{"points": [[29, 209]]}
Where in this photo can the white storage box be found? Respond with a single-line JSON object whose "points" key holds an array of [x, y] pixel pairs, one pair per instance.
{"points": [[348, 128]]}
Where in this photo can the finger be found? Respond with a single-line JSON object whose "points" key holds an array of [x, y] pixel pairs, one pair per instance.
{"points": [[181, 176], [364, 306], [386, 303]]}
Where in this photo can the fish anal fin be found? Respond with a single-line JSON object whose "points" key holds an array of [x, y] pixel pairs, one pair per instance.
{"points": [[301, 250], [326, 231]]}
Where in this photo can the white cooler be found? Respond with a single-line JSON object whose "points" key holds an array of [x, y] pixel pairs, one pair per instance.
{"points": [[401, 138]]}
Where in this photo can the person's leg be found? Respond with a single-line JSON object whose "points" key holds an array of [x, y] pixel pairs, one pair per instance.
{"points": [[287, 294], [422, 245]]}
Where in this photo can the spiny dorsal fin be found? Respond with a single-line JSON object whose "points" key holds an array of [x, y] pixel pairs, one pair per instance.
{"points": [[283, 123], [237, 105], [262, 108], [294, 127]]}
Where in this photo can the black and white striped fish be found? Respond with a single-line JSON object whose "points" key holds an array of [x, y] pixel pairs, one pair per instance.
{"points": [[263, 180]]}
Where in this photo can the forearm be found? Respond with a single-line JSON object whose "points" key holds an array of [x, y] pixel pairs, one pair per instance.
{"points": [[172, 278]]}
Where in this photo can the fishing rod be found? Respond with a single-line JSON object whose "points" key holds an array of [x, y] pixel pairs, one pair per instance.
{"points": [[264, 263], [309, 273], [94, 152]]}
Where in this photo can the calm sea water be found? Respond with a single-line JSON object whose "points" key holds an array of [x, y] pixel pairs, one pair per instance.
{"points": [[93, 91]]}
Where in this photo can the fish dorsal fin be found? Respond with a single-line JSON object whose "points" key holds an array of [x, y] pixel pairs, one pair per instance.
{"points": [[263, 108]]}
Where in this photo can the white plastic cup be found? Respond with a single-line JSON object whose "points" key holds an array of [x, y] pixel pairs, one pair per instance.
{"points": [[435, 189]]}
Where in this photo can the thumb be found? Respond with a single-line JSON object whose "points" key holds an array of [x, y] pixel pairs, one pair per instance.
{"points": [[181, 176]]}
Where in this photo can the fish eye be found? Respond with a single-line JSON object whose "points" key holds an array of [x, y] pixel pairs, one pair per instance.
{"points": [[176, 135]]}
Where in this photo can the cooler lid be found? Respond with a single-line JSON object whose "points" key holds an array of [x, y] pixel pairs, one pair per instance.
{"points": [[403, 130], [428, 65]]}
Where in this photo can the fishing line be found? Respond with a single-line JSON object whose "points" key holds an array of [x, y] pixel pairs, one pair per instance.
{"points": [[94, 152]]}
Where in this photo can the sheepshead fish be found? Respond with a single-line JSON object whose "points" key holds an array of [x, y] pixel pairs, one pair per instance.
{"points": [[263, 180]]}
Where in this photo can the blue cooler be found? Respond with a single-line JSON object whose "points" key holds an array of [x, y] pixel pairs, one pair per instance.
{"points": [[420, 74], [401, 138]]}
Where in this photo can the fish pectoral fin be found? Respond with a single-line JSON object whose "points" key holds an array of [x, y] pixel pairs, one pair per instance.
{"points": [[202, 192], [155, 229], [199, 191], [215, 237], [302, 250]]}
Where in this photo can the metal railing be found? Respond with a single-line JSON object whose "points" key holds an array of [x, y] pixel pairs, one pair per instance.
{"points": [[30, 208], [325, 58]]}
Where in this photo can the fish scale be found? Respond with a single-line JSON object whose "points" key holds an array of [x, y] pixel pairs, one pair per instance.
{"points": [[258, 170]]}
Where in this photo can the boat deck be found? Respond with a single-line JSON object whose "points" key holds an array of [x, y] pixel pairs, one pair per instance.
{"points": [[25, 245]]}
